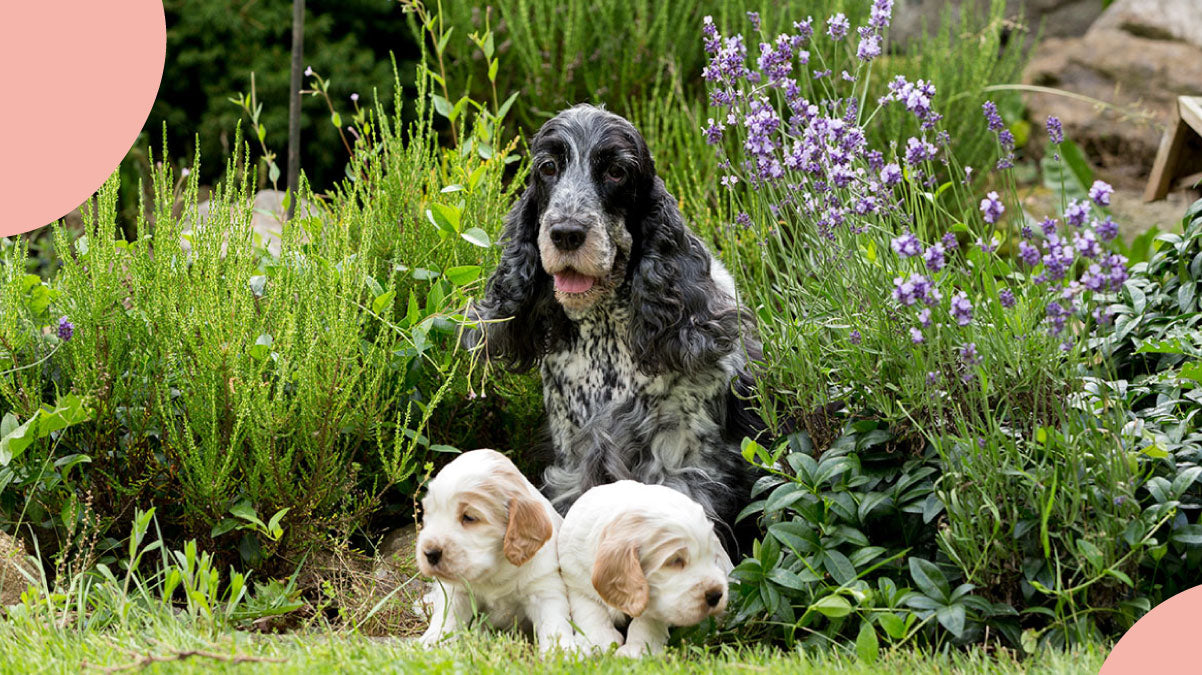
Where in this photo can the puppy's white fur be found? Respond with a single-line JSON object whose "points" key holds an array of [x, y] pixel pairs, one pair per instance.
{"points": [[646, 553], [489, 540]]}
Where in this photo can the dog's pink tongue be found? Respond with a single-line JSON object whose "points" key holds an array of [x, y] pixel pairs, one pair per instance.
{"points": [[571, 281]]}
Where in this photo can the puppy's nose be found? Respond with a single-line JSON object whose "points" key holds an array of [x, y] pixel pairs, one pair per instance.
{"points": [[433, 555], [713, 597], [568, 236]]}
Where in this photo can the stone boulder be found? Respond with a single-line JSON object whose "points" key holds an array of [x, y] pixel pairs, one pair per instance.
{"points": [[1156, 19], [1136, 76], [1059, 18]]}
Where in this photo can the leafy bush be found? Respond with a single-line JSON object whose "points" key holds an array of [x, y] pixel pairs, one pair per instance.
{"points": [[271, 401]]}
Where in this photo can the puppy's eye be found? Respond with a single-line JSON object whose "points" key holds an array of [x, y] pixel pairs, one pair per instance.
{"points": [[467, 519], [677, 563], [615, 174], [548, 168]]}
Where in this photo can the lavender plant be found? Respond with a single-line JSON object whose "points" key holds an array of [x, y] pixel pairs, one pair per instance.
{"points": [[888, 285], [888, 245]]}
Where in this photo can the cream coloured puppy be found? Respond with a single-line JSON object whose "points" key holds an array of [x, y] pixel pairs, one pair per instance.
{"points": [[488, 539], [643, 553]]}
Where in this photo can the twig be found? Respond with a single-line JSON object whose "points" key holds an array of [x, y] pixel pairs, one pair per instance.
{"points": [[148, 658]]}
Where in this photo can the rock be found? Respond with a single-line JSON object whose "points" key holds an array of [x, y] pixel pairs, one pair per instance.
{"points": [[15, 570], [1139, 77], [266, 221], [1155, 19], [1059, 18]]}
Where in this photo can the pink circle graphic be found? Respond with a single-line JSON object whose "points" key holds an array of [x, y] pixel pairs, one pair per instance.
{"points": [[79, 79], [1162, 641]]}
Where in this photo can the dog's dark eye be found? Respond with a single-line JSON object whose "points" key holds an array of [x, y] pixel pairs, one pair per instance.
{"points": [[548, 168], [678, 562], [615, 174], [466, 519]]}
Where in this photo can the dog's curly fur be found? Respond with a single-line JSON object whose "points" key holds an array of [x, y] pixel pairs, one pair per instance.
{"points": [[645, 374]]}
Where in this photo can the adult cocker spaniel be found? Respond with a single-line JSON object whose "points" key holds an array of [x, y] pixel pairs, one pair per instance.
{"points": [[644, 349]]}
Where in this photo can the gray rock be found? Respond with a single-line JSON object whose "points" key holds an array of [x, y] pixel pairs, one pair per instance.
{"points": [[1139, 78], [1155, 19], [1059, 18]]}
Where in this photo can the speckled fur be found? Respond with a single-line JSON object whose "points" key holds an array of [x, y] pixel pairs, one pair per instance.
{"points": [[648, 381]]}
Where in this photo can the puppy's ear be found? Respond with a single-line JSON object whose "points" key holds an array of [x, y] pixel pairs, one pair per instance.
{"points": [[617, 575], [529, 528]]}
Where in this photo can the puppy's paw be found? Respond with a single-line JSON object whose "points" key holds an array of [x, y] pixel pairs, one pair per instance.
{"points": [[631, 650]]}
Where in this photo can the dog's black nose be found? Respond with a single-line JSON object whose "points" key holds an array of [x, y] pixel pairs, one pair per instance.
{"points": [[713, 597], [433, 555], [568, 236]]}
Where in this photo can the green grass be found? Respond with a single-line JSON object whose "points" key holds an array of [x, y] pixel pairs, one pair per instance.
{"points": [[72, 651]]}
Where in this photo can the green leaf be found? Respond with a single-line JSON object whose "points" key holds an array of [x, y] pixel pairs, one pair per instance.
{"points": [[262, 347], [952, 618], [501, 112], [1189, 536], [451, 450], [1192, 371], [18, 439], [894, 626], [832, 606], [444, 217], [478, 237], [461, 276], [928, 577], [442, 105], [840, 567], [336, 119], [246, 512], [492, 69], [382, 302], [223, 526], [868, 648]]}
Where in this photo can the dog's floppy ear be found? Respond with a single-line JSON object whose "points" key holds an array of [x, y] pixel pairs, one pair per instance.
{"points": [[518, 311], [528, 529], [617, 574], [678, 323]]}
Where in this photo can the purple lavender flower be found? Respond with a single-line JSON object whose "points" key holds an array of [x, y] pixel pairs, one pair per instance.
{"points": [[1055, 130], [986, 246], [1107, 229], [903, 291], [916, 97], [992, 116], [1006, 297], [1057, 316], [754, 18], [743, 220], [882, 10], [969, 355], [932, 377], [918, 151], [907, 245], [891, 174], [870, 48], [1026, 232], [1100, 193], [66, 329], [713, 133], [1077, 213], [837, 26], [924, 317], [916, 335], [992, 208], [1048, 225], [1087, 244], [804, 28], [934, 258], [949, 241], [962, 309], [1028, 253], [855, 337]]}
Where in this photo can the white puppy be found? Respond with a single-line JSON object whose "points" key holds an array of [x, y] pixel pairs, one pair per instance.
{"points": [[488, 538], [643, 552]]}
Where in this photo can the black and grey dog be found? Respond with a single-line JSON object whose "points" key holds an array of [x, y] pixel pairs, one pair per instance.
{"points": [[644, 348]]}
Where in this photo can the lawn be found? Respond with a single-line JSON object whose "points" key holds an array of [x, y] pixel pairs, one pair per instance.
{"points": [[165, 647]]}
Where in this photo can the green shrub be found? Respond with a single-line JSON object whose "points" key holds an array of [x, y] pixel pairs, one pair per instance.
{"points": [[269, 401]]}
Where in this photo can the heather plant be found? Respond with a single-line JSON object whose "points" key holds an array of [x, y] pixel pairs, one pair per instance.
{"points": [[877, 282], [263, 402]]}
